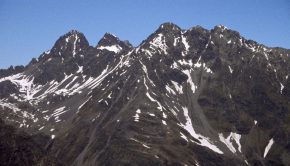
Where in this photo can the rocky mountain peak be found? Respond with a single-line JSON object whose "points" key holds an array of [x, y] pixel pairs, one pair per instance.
{"points": [[73, 31], [108, 40], [167, 35], [70, 44], [169, 26], [111, 42], [221, 29]]}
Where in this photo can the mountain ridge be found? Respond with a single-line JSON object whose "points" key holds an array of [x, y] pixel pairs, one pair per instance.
{"points": [[74, 31], [182, 97]]}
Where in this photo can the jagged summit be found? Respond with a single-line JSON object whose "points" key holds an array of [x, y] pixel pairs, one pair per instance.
{"points": [[70, 43], [113, 43], [220, 26], [197, 28], [69, 36], [169, 26], [108, 40], [73, 31], [223, 29], [166, 32]]}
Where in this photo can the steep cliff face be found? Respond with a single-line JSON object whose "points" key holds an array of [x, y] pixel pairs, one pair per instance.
{"points": [[182, 97]]}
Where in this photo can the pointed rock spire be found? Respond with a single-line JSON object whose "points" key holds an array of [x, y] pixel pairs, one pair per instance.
{"points": [[113, 43], [70, 44], [108, 40]]}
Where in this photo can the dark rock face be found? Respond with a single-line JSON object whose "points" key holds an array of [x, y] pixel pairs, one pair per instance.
{"points": [[182, 97], [7, 88], [19, 148]]}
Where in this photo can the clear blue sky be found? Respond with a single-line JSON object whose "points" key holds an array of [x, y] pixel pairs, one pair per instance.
{"points": [[27, 28]]}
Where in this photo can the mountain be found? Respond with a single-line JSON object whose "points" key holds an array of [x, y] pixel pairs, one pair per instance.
{"points": [[182, 97]]}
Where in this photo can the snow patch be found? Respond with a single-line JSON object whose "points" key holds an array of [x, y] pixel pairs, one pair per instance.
{"points": [[176, 40], [147, 52], [209, 41], [177, 87], [282, 87], [144, 145], [84, 103], [183, 136], [255, 122], [159, 42], [164, 117], [228, 141], [75, 43], [146, 73], [151, 114], [80, 70], [170, 90], [58, 111], [268, 147], [198, 64], [110, 95], [47, 52], [137, 115], [189, 80], [184, 62], [113, 48], [266, 56], [204, 141], [231, 70], [152, 99], [24, 83], [186, 45]]}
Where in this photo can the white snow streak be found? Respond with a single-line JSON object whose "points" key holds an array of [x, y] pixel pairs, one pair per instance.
{"points": [[144, 145], [204, 141], [193, 87], [268, 147], [232, 137], [59, 111], [152, 99], [231, 70], [198, 64], [183, 136], [113, 48], [177, 87], [282, 87], [75, 43], [186, 45], [170, 90]]}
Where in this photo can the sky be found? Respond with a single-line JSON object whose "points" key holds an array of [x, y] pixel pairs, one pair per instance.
{"points": [[30, 27]]}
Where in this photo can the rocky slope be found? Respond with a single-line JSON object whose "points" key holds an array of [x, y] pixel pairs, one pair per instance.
{"points": [[182, 97]]}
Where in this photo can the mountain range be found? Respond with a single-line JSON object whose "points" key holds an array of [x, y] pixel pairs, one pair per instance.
{"points": [[192, 97]]}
